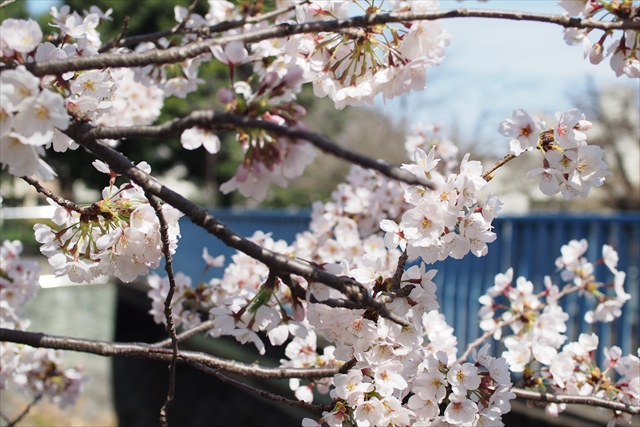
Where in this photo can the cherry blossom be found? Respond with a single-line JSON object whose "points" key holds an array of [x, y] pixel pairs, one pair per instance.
{"points": [[524, 130], [195, 137], [21, 35]]}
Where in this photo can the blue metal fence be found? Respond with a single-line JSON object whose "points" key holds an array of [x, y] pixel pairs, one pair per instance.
{"points": [[530, 244]]}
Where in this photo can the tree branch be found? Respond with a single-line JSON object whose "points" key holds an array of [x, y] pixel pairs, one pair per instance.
{"points": [[246, 387], [209, 118], [168, 308], [353, 290], [583, 400], [149, 352], [182, 53], [146, 351], [208, 324], [488, 175], [69, 205]]}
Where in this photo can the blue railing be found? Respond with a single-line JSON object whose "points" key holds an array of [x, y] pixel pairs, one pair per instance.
{"points": [[530, 244]]}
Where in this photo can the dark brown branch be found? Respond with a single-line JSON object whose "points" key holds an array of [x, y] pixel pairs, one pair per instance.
{"points": [[265, 394], [209, 118], [168, 308], [206, 325], [149, 352], [69, 205], [353, 290], [300, 293], [397, 276], [146, 351], [583, 400], [182, 53]]}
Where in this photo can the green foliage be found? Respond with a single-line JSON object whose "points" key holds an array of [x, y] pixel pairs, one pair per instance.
{"points": [[146, 16], [15, 10]]}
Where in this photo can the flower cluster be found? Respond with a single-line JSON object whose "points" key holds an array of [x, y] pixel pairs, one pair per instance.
{"points": [[574, 371], [268, 157], [30, 117], [625, 58], [539, 335], [570, 165], [575, 267], [118, 235], [539, 330], [187, 302], [448, 221], [351, 67], [34, 371], [35, 111], [248, 299], [345, 239]]}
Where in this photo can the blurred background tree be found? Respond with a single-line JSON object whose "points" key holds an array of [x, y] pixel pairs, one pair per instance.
{"points": [[197, 173], [614, 112]]}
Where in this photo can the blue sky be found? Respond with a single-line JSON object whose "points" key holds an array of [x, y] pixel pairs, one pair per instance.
{"points": [[492, 67]]}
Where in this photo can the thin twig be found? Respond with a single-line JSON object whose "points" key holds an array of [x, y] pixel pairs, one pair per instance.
{"points": [[180, 26], [210, 118], [25, 411], [583, 400], [148, 352], [208, 324], [484, 337], [168, 308], [487, 176], [67, 204], [213, 29], [6, 3], [125, 26], [246, 387]]}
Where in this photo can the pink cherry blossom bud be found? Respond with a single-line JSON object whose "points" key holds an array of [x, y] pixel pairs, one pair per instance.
{"points": [[298, 312], [242, 173], [293, 77], [299, 111], [596, 55], [225, 95], [583, 125], [314, 9], [273, 118], [270, 79]]}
